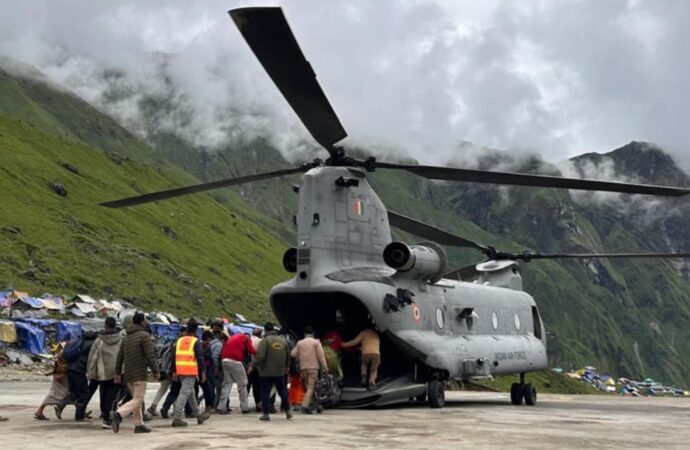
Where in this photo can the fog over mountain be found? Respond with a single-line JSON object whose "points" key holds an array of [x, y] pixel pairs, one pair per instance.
{"points": [[554, 78]]}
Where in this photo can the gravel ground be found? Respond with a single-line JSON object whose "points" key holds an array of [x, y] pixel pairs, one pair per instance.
{"points": [[469, 420]]}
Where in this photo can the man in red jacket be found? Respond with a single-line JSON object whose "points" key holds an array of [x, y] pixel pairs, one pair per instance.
{"points": [[236, 349]]}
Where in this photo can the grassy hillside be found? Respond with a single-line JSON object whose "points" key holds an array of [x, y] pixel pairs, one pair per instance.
{"points": [[191, 256]]}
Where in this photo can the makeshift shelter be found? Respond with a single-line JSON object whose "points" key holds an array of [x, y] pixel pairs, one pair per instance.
{"points": [[81, 309], [8, 332], [68, 331], [165, 332], [52, 303], [30, 338], [81, 298], [239, 329]]}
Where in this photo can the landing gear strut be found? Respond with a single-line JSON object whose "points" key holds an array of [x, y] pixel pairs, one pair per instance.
{"points": [[523, 391]]}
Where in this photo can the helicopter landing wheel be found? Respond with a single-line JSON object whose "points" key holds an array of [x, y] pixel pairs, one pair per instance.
{"points": [[436, 393], [530, 394], [517, 393]]}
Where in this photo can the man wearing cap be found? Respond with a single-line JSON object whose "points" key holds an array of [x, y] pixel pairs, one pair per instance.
{"points": [[136, 354], [272, 361], [189, 365]]}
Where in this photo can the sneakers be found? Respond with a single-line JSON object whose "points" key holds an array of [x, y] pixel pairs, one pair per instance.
{"points": [[319, 409], [152, 410], [371, 387], [223, 412], [164, 413], [147, 417], [201, 418], [106, 425], [246, 411], [142, 429], [265, 418], [306, 411], [179, 423], [288, 415], [115, 421]]}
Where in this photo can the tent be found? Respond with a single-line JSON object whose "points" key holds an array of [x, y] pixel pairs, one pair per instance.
{"points": [[81, 309], [30, 338], [164, 331], [68, 331], [8, 332], [52, 303], [238, 329], [81, 298]]}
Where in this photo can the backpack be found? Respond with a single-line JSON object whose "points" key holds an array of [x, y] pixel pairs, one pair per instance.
{"points": [[327, 390], [72, 351], [165, 361]]}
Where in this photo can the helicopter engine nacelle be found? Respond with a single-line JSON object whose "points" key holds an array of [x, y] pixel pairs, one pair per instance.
{"points": [[425, 261]]}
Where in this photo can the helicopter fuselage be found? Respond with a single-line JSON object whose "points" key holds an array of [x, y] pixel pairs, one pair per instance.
{"points": [[430, 328]]}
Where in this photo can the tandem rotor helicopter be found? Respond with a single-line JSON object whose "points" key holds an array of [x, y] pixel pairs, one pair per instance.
{"points": [[349, 275]]}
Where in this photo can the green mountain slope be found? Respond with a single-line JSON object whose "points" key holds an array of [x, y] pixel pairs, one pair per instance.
{"points": [[189, 256]]}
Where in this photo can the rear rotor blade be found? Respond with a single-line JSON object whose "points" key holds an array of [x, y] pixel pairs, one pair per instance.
{"points": [[432, 233], [171, 193], [270, 38], [529, 256], [519, 179]]}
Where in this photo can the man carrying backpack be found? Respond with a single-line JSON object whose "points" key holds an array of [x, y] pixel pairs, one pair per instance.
{"points": [[76, 355], [101, 366]]}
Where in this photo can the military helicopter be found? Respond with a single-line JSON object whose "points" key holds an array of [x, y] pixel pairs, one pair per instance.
{"points": [[349, 275]]}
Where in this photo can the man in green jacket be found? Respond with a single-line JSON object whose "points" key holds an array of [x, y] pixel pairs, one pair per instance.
{"points": [[136, 354], [272, 361]]}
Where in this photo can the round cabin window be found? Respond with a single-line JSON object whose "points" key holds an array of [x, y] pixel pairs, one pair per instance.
{"points": [[517, 322], [439, 318], [494, 320]]}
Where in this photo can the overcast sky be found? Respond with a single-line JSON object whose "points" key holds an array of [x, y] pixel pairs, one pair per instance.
{"points": [[554, 77]]}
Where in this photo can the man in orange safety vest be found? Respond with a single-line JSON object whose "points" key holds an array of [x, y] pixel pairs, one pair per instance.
{"points": [[188, 366]]}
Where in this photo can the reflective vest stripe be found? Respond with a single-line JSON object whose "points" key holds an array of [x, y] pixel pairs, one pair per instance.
{"points": [[185, 361]]}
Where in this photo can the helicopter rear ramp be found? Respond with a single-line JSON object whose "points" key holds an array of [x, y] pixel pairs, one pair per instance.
{"points": [[392, 390]]}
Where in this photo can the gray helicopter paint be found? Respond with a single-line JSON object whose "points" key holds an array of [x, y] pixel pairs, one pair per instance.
{"points": [[342, 232]]}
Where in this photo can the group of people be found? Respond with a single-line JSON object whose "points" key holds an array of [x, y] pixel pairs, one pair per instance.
{"points": [[117, 364]]}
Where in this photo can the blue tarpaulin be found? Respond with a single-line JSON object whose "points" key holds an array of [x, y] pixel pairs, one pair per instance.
{"points": [[164, 331], [68, 331], [41, 323], [235, 329], [30, 338]]}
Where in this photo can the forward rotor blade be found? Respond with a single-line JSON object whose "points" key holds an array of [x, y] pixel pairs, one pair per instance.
{"points": [[177, 192], [270, 38], [463, 273], [529, 256], [432, 233], [519, 179]]}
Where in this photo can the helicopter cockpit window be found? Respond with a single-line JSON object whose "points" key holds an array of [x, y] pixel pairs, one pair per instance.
{"points": [[517, 322], [494, 320], [439, 318]]}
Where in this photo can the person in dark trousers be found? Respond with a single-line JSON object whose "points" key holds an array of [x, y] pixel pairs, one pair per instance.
{"points": [[76, 376], [272, 360], [189, 365], [101, 366], [136, 355], [254, 385], [208, 388]]}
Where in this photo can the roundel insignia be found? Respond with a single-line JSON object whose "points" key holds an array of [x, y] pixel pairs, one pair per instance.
{"points": [[416, 313]]}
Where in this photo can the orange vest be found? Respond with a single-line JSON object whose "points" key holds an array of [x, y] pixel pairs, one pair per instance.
{"points": [[185, 361]]}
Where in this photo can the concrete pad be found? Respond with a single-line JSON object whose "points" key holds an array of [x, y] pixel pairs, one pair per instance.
{"points": [[470, 420]]}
